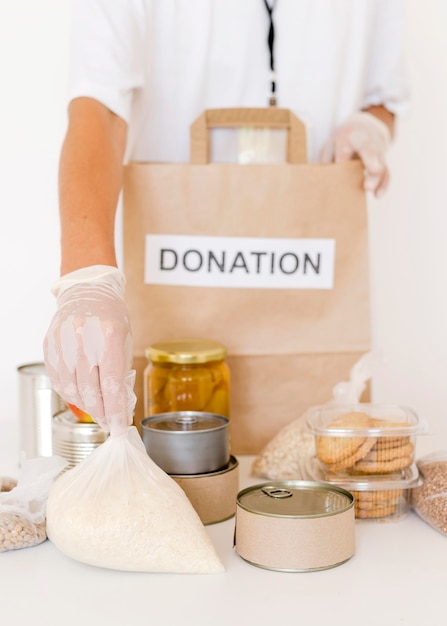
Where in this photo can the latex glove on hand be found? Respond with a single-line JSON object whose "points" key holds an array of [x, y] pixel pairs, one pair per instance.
{"points": [[367, 137], [88, 346]]}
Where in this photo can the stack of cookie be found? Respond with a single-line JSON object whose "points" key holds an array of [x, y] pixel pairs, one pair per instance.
{"points": [[368, 449]]}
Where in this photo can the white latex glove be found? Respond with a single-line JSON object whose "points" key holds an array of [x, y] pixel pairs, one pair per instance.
{"points": [[88, 346], [365, 136]]}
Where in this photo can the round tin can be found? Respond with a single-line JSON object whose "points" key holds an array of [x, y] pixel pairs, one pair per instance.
{"points": [[212, 495], [187, 442], [38, 403], [295, 526], [75, 440]]}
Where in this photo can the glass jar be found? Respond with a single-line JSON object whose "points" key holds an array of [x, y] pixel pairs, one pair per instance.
{"points": [[186, 375]]}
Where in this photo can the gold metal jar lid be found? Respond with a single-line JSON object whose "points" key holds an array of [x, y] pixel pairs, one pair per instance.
{"points": [[186, 351]]}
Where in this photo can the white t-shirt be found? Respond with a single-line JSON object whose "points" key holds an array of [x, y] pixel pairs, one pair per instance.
{"points": [[159, 63]]}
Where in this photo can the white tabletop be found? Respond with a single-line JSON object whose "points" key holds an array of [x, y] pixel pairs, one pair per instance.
{"points": [[397, 576]]}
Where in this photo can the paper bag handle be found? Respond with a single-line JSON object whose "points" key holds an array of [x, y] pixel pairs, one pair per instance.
{"points": [[239, 117]]}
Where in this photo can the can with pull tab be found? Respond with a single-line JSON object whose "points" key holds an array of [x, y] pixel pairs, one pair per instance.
{"points": [[295, 526]]}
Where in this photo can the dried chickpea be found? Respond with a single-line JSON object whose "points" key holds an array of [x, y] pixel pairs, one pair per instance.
{"points": [[16, 531]]}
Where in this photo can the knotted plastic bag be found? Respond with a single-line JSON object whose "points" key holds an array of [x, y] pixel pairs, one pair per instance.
{"points": [[23, 502], [284, 457], [117, 509], [429, 499]]}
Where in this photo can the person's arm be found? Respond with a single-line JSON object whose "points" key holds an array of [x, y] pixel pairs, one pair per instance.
{"points": [[88, 345], [365, 135], [384, 115], [90, 179]]}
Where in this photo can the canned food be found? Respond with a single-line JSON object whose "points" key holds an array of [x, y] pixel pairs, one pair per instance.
{"points": [[38, 403], [187, 442], [295, 526], [74, 440], [186, 375], [213, 495]]}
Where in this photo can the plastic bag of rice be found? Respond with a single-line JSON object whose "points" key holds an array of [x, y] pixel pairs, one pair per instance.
{"points": [[284, 455], [117, 509]]}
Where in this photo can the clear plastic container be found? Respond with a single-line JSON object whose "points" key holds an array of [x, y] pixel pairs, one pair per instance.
{"points": [[187, 375], [364, 439], [382, 498]]}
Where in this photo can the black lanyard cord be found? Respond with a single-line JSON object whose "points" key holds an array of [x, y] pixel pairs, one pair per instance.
{"points": [[271, 40]]}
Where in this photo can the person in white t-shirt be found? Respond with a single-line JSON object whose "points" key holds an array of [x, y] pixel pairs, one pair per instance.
{"points": [[141, 72]]}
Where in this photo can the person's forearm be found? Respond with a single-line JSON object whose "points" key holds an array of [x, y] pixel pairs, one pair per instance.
{"points": [[384, 115], [90, 180]]}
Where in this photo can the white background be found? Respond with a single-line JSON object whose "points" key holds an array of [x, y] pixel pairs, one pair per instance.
{"points": [[408, 226]]}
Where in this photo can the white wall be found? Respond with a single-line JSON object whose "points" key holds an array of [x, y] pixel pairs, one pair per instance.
{"points": [[408, 227], [33, 70]]}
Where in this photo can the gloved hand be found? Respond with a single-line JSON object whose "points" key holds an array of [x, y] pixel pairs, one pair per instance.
{"points": [[364, 135], [88, 346]]}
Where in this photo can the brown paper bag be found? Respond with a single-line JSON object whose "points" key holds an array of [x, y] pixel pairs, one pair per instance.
{"points": [[269, 259]]}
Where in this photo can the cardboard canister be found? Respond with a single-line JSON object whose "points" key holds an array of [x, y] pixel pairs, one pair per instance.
{"points": [[295, 526], [213, 495]]}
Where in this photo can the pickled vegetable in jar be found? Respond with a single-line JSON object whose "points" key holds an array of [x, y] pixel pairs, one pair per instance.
{"points": [[187, 375]]}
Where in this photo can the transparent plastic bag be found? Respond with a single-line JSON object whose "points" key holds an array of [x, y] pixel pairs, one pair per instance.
{"points": [[23, 502], [285, 456], [117, 509], [429, 499]]}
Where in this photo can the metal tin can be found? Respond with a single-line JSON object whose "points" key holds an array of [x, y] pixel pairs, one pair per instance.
{"points": [[38, 403], [186, 375], [295, 526], [75, 440], [187, 442], [213, 495]]}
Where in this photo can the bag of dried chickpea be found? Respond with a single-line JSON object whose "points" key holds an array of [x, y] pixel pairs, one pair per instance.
{"points": [[429, 499], [23, 502], [285, 456], [117, 509]]}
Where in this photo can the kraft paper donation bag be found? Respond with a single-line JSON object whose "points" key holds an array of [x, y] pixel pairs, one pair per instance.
{"points": [[271, 259]]}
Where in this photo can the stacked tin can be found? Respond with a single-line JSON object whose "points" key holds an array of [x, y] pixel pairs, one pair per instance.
{"points": [[193, 447], [47, 426], [369, 450], [73, 439], [186, 429]]}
